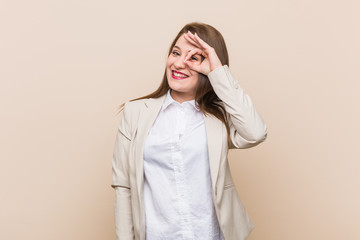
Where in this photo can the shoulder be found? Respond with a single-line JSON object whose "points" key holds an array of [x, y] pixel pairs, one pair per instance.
{"points": [[132, 109], [135, 107], [131, 112]]}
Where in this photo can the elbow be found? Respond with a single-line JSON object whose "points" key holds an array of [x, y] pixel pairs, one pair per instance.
{"points": [[257, 129], [251, 141], [261, 135], [258, 136]]}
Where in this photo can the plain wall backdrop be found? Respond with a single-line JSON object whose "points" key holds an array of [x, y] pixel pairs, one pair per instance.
{"points": [[65, 67]]}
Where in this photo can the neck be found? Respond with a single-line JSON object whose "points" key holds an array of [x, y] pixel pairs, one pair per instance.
{"points": [[181, 97]]}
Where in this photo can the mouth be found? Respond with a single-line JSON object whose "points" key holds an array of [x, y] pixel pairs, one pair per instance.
{"points": [[178, 75]]}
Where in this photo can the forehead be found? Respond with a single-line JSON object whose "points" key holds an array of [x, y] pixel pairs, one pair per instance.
{"points": [[184, 44]]}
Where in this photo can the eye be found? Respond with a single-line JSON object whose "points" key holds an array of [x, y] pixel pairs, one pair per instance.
{"points": [[175, 53], [194, 58]]}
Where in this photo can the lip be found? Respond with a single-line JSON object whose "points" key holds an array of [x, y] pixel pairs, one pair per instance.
{"points": [[179, 73]]}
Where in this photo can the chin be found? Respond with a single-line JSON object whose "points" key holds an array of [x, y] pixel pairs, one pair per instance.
{"points": [[182, 86], [177, 88]]}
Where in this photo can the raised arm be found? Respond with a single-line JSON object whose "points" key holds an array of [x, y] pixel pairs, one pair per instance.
{"points": [[247, 128]]}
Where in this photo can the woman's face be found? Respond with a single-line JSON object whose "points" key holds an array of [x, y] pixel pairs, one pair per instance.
{"points": [[182, 80]]}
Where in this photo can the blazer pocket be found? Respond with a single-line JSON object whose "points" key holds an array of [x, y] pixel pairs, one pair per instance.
{"points": [[228, 186]]}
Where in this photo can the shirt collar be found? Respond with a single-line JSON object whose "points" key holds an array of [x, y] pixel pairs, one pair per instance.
{"points": [[169, 100]]}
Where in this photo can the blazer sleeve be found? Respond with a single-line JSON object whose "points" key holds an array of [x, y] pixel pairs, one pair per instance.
{"points": [[247, 128], [120, 180]]}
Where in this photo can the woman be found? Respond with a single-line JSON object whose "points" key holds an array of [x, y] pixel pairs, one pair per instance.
{"points": [[170, 168]]}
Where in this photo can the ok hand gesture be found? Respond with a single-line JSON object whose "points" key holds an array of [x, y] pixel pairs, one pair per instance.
{"points": [[211, 60]]}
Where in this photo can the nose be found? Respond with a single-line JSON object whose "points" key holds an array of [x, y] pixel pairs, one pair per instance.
{"points": [[179, 63]]}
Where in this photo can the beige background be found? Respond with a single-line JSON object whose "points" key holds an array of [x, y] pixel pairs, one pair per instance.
{"points": [[66, 65]]}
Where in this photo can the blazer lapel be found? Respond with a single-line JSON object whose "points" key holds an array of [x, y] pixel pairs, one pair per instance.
{"points": [[214, 138], [147, 117]]}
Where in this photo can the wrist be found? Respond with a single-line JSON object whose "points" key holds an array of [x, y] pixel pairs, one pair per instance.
{"points": [[214, 68]]}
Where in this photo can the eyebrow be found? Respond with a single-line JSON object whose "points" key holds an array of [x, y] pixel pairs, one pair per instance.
{"points": [[179, 48]]}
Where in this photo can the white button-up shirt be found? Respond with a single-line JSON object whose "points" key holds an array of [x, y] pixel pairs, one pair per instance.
{"points": [[177, 182]]}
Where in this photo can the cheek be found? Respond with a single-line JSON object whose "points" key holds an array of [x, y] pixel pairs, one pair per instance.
{"points": [[169, 61], [195, 78]]}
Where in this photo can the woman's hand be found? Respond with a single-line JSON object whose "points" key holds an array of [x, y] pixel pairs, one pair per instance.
{"points": [[211, 60]]}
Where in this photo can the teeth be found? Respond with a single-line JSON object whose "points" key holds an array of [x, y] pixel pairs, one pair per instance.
{"points": [[179, 75]]}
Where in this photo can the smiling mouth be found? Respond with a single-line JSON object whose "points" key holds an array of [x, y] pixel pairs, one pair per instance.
{"points": [[178, 75]]}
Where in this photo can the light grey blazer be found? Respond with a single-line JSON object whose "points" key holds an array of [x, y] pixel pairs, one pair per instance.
{"points": [[247, 129]]}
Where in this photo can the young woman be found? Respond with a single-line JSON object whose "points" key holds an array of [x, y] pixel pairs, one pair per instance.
{"points": [[170, 169]]}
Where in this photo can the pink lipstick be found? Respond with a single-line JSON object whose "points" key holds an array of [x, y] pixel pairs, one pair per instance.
{"points": [[179, 75]]}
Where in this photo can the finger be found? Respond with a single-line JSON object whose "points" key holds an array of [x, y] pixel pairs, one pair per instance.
{"points": [[190, 34], [201, 42], [203, 54], [193, 52], [191, 40], [194, 66]]}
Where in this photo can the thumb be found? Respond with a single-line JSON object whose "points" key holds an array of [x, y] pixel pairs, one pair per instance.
{"points": [[193, 66]]}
